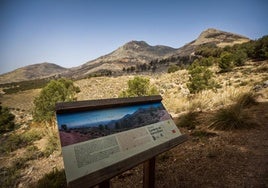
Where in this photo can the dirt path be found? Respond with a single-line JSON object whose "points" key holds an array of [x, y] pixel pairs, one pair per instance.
{"points": [[228, 159]]}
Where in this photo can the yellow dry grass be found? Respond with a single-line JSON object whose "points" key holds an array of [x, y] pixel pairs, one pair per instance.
{"points": [[172, 88]]}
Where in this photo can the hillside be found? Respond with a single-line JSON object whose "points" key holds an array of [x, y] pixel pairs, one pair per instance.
{"points": [[132, 57], [213, 37], [232, 154], [135, 54], [131, 54], [32, 72]]}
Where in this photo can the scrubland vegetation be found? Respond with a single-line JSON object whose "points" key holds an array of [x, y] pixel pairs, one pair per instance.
{"points": [[209, 97]]}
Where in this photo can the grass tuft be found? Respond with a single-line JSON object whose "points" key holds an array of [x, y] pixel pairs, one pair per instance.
{"points": [[246, 100], [54, 179], [188, 120], [53, 143], [15, 141], [234, 116]]}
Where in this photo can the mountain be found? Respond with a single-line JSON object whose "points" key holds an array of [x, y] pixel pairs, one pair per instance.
{"points": [[32, 72], [137, 53], [131, 54], [213, 37]]}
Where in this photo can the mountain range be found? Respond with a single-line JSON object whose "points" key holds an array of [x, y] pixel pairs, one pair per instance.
{"points": [[132, 54]]}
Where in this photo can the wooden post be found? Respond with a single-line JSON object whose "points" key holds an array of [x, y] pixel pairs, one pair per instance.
{"points": [[149, 173], [105, 184]]}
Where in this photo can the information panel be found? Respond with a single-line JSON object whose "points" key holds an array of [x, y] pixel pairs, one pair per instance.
{"points": [[95, 139]]}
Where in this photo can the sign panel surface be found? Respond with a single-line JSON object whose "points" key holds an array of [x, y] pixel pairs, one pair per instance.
{"points": [[95, 139]]}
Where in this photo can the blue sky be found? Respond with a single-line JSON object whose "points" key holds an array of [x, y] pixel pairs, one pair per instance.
{"points": [[72, 32], [89, 117]]}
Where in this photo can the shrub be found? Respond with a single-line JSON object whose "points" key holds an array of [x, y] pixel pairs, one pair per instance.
{"points": [[207, 61], [55, 91], [226, 62], [139, 87], [6, 120], [173, 68], [200, 79], [240, 58]]}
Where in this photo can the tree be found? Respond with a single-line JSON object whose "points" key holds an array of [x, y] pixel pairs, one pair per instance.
{"points": [[261, 48], [6, 120], [61, 90], [240, 57], [200, 78], [139, 87], [226, 62]]}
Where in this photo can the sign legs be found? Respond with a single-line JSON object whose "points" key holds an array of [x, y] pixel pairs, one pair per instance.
{"points": [[149, 173], [105, 184]]}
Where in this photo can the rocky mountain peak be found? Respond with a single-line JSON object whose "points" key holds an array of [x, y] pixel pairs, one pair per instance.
{"points": [[211, 36], [135, 44], [216, 36]]}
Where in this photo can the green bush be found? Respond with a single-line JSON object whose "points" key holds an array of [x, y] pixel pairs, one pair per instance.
{"points": [[6, 120], [173, 68], [260, 48], [61, 90], [226, 62], [239, 58], [207, 61], [200, 79], [139, 87]]}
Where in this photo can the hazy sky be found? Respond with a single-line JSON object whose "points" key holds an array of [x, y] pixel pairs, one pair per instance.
{"points": [[72, 32]]}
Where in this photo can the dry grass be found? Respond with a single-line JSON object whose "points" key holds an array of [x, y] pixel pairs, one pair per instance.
{"points": [[22, 100], [176, 99]]}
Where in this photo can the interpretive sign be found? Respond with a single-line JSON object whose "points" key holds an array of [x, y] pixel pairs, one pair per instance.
{"points": [[100, 138]]}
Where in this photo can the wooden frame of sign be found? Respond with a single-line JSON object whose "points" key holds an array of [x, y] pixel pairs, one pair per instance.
{"points": [[104, 138]]}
